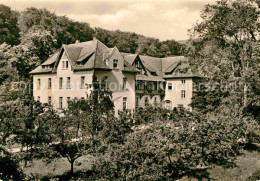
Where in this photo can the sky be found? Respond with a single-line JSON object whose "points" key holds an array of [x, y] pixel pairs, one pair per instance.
{"points": [[162, 19]]}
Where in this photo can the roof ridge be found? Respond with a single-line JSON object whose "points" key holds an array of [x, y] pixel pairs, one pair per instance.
{"points": [[95, 53]]}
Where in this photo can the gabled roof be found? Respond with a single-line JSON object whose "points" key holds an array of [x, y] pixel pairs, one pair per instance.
{"points": [[52, 59], [83, 56], [130, 58], [92, 55]]}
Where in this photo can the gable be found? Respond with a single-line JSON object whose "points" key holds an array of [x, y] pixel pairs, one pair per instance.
{"points": [[139, 65], [115, 55]]}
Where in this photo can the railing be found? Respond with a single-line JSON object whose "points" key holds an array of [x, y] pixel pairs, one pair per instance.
{"points": [[149, 92]]}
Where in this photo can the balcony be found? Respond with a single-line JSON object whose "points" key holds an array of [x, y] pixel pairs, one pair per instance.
{"points": [[149, 92]]}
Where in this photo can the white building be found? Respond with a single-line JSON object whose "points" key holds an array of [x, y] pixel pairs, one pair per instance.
{"points": [[133, 79]]}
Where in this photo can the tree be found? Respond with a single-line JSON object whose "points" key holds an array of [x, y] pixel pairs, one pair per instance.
{"points": [[9, 169], [173, 144], [36, 46], [84, 127], [224, 49], [9, 31]]}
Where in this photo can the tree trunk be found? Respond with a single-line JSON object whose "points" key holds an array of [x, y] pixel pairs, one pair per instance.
{"points": [[72, 167]]}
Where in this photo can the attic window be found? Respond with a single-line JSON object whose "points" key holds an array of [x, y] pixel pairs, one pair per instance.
{"points": [[65, 64], [115, 63], [153, 73]]}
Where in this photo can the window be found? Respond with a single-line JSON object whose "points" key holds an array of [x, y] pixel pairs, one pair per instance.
{"points": [[68, 100], [169, 86], [182, 93], [180, 105], [146, 101], [183, 81], [155, 101], [82, 82], [137, 102], [168, 104], [82, 98], [38, 83], [49, 100], [65, 64], [60, 102], [49, 83], [68, 82], [38, 98], [124, 83], [60, 83], [124, 103], [115, 62]]}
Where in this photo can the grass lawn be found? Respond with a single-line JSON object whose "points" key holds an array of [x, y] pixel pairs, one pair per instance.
{"points": [[248, 168], [57, 167]]}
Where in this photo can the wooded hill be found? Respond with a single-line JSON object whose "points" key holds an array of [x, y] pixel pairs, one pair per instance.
{"points": [[14, 25]]}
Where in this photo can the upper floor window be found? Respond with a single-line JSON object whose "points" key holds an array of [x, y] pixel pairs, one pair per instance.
{"points": [[38, 83], [183, 81], [60, 83], [82, 82], [38, 98], [124, 83], [65, 64], [183, 93], [115, 63], [124, 103], [68, 82], [49, 83], [169, 86]]}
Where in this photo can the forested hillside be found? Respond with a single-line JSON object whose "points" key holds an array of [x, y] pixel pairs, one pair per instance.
{"points": [[15, 24]]}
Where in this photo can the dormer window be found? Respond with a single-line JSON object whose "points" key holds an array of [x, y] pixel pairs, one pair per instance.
{"points": [[137, 65], [115, 63], [153, 73], [65, 64]]}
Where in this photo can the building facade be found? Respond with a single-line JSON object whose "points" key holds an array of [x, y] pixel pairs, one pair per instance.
{"points": [[134, 80]]}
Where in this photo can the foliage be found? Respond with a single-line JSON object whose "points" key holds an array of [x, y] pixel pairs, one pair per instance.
{"points": [[173, 144], [9, 30], [134, 43], [9, 169], [225, 51]]}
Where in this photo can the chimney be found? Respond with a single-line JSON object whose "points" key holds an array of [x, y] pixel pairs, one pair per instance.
{"points": [[77, 41], [94, 38]]}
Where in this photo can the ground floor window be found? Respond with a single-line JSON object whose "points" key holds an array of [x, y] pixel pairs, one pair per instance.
{"points": [[68, 100], [60, 102], [49, 100], [168, 104], [137, 102], [124, 103], [180, 105]]}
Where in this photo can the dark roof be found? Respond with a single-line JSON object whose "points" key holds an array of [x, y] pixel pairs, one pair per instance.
{"points": [[169, 67], [92, 55], [52, 59]]}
